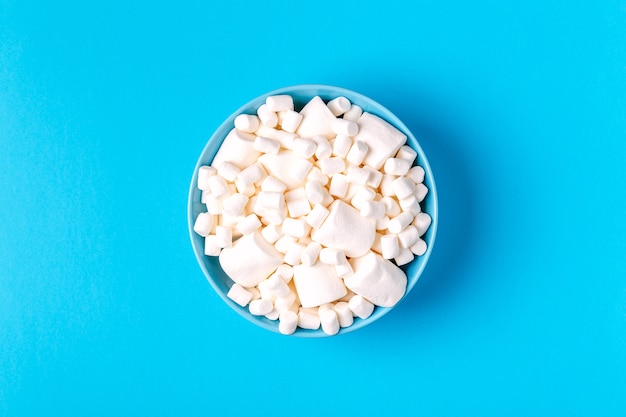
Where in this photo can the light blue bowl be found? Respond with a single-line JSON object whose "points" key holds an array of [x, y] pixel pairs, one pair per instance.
{"points": [[301, 95]]}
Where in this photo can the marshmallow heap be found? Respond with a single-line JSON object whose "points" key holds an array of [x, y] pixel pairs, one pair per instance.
{"points": [[312, 212]]}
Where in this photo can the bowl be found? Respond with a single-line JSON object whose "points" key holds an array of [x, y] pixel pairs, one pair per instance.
{"points": [[301, 94]]}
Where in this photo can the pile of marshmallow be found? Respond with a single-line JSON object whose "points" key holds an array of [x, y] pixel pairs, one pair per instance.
{"points": [[312, 212]]}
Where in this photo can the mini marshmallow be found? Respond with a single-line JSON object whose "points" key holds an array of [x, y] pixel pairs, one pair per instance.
{"points": [[416, 174], [248, 225], [317, 119], [422, 222], [271, 233], [260, 307], [354, 113], [338, 185], [239, 295], [284, 303], [398, 223], [383, 139], [392, 208], [273, 216], [266, 116], [204, 172], [323, 150], [397, 166], [273, 185], [283, 244], [290, 121], [361, 196], [247, 123], [210, 246], [402, 187], [317, 284], [295, 194], [273, 315], [304, 147], [310, 253], [411, 205], [234, 204], [266, 145], [270, 200], [224, 236], [345, 127], [213, 205], [203, 224], [345, 229], [408, 236], [407, 153], [376, 246], [356, 175], [361, 307], [375, 177], [251, 174], [344, 314], [277, 286], [389, 246], [420, 192], [296, 227], [357, 152], [308, 320], [286, 272], [238, 149], [299, 207], [247, 190], [404, 257], [250, 260], [329, 322], [317, 216], [284, 138], [287, 322], [419, 247], [374, 209], [344, 270], [332, 256], [266, 293], [218, 186], [316, 174], [339, 105], [377, 279], [341, 145], [314, 192], [279, 102], [331, 166], [256, 294], [386, 188]]}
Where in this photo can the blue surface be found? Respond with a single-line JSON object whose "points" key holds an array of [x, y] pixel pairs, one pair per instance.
{"points": [[520, 107]]}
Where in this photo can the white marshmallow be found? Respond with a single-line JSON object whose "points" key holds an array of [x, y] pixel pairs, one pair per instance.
{"points": [[344, 228], [266, 145], [271, 233], [375, 177], [239, 295], [213, 205], [284, 138], [331, 166], [354, 113], [420, 192], [308, 320], [270, 200], [204, 172], [344, 314], [317, 216], [290, 121], [356, 175], [316, 174], [407, 153], [260, 307], [344, 270], [304, 147], [203, 224], [408, 236], [345, 127], [247, 190], [295, 194], [317, 284], [389, 246], [272, 184], [376, 246], [286, 166], [248, 123], [277, 286], [419, 247], [329, 322], [361, 196], [402, 187], [338, 185], [341, 145], [383, 139], [310, 253], [234, 204], [210, 246], [267, 117], [251, 174], [374, 209], [224, 236], [296, 227], [398, 223], [339, 105], [314, 192], [392, 208], [218, 186], [416, 174], [357, 152], [238, 149], [404, 257], [299, 207], [256, 294], [266, 293], [323, 150], [361, 307], [386, 182], [287, 322], [317, 119], [285, 302], [279, 102], [422, 221], [286, 272], [273, 315], [332, 256], [250, 260], [283, 244], [248, 225], [397, 166], [377, 279]]}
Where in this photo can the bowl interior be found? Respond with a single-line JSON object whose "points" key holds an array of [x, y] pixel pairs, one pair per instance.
{"points": [[301, 95]]}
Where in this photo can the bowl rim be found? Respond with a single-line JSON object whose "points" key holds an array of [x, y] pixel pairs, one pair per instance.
{"points": [[353, 96]]}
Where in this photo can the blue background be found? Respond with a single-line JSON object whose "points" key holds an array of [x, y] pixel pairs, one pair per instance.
{"points": [[106, 106]]}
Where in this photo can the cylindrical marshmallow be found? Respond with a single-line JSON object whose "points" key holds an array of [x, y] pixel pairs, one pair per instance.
{"points": [[422, 222], [356, 175], [314, 192], [286, 272], [213, 205], [210, 246], [332, 256], [386, 182], [344, 270], [354, 113], [260, 307], [398, 223], [407, 153], [416, 174], [323, 150], [293, 256], [397, 166], [218, 186], [404, 257], [408, 236], [296, 227], [339, 105], [383, 223], [273, 315], [310, 253], [249, 224], [290, 121], [284, 303], [271, 233], [299, 207], [239, 295], [251, 174], [345, 127], [389, 246], [270, 200], [279, 102], [392, 208], [402, 187], [267, 117], [277, 286], [361, 307], [304, 147], [329, 322], [411, 205], [203, 224], [266, 145], [308, 320], [224, 236], [283, 243], [316, 174], [338, 185], [287, 322], [357, 153], [317, 216], [418, 248], [332, 166], [420, 192], [342, 145], [375, 177], [234, 204], [375, 209], [204, 172], [273, 184], [248, 123], [344, 314]]}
